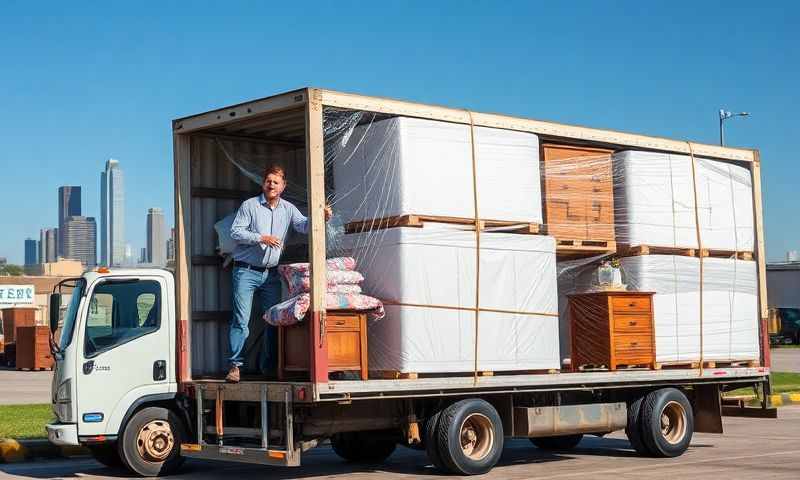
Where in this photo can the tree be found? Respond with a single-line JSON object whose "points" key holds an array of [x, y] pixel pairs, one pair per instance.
{"points": [[11, 270]]}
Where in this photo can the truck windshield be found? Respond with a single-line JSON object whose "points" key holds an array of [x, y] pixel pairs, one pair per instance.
{"points": [[68, 326]]}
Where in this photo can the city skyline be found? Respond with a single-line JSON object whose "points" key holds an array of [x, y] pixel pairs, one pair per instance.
{"points": [[156, 237], [112, 215], [69, 205]]}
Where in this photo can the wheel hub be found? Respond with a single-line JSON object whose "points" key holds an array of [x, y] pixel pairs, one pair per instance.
{"points": [[477, 436], [673, 422], [155, 441]]}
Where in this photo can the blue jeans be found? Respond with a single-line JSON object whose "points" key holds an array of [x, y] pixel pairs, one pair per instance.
{"points": [[247, 282]]}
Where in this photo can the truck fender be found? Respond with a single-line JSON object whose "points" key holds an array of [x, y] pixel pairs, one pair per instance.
{"points": [[153, 398]]}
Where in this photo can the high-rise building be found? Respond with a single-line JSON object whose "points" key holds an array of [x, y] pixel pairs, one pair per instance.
{"points": [[171, 245], [80, 240], [48, 245], [69, 205], [112, 215], [31, 252], [143, 255], [156, 237]]}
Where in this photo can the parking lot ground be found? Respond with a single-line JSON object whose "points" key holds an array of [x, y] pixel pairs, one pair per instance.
{"points": [[750, 448], [18, 387]]}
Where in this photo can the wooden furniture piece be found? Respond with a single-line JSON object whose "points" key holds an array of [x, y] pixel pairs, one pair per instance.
{"points": [[10, 355], [17, 317], [33, 348], [577, 192], [611, 329], [346, 333]]}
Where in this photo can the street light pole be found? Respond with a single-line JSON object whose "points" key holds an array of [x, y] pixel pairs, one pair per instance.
{"points": [[724, 115]]}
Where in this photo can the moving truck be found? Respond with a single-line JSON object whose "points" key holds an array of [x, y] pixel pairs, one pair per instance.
{"points": [[140, 352]]}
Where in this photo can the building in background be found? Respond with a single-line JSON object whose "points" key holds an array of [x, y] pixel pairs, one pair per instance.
{"points": [[127, 259], [3, 260], [69, 205], [171, 245], [80, 240], [143, 256], [112, 215], [61, 268], [792, 256], [48, 245], [31, 252], [156, 237]]}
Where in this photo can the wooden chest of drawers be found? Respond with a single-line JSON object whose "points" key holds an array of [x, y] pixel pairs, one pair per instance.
{"points": [[577, 192], [14, 318], [33, 348], [612, 329], [346, 334]]}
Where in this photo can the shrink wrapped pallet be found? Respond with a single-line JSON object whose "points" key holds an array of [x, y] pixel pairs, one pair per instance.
{"points": [[426, 278]]}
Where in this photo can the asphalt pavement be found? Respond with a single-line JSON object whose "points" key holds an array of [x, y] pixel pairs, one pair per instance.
{"points": [[785, 360], [750, 448], [24, 387]]}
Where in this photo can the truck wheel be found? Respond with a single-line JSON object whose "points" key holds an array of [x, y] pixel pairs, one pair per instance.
{"points": [[470, 437], [561, 442], [667, 422], [107, 454], [151, 442], [431, 445], [366, 447], [634, 428]]}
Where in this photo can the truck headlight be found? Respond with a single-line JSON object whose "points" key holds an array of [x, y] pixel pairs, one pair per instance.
{"points": [[63, 402]]}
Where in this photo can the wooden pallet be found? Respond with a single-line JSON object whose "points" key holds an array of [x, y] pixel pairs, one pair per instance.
{"points": [[419, 221], [676, 365], [732, 364], [395, 375], [39, 369], [604, 368], [569, 248], [636, 250]]}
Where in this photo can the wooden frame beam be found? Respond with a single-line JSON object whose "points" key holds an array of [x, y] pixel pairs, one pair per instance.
{"points": [[315, 168], [398, 107], [761, 259], [183, 261]]}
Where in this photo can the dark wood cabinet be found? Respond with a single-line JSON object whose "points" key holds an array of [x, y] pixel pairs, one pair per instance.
{"points": [[33, 348], [346, 335], [14, 318], [612, 329]]}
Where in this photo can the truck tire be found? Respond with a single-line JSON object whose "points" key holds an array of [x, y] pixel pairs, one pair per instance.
{"points": [[107, 454], [364, 447], [431, 445], [470, 437], [667, 422], [634, 428], [561, 442], [151, 442]]}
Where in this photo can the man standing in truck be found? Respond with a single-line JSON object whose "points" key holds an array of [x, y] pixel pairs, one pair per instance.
{"points": [[260, 228]]}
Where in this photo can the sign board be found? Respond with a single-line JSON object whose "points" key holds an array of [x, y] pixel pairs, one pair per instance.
{"points": [[17, 295]]}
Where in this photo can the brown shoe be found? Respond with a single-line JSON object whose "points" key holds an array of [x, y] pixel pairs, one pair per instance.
{"points": [[233, 375]]}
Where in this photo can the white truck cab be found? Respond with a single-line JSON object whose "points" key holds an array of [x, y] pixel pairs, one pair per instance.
{"points": [[114, 359]]}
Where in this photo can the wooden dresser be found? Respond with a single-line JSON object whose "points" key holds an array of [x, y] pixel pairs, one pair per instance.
{"points": [[346, 334], [612, 329], [33, 348], [14, 318]]}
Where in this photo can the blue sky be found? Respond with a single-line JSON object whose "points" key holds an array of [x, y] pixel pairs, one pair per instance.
{"points": [[84, 81]]}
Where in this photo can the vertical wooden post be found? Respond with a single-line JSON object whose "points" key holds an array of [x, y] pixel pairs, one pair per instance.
{"points": [[315, 166], [761, 260], [181, 147]]}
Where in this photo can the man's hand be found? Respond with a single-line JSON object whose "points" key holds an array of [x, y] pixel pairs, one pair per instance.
{"points": [[270, 241], [328, 212]]}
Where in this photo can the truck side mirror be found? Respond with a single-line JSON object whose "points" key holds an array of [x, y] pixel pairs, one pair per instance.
{"points": [[55, 310]]}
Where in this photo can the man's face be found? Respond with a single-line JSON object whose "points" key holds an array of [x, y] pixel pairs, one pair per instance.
{"points": [[273, 186]]}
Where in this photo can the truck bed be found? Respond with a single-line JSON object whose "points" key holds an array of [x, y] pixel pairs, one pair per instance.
{"points": [[344, 390]]}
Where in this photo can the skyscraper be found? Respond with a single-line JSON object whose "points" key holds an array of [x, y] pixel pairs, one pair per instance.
{"points": [[31, 254], [80, 240], [171, 245], [48, 245], [156, 237], [69, 205], [112, 215]]}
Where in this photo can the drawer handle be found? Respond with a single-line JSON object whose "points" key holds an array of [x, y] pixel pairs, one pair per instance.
{"points": [[634, 344], [632, 304], [632, 324], [339, 322]]}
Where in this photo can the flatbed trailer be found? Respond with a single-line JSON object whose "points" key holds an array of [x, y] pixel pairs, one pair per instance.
{"points": [[460, 419]]}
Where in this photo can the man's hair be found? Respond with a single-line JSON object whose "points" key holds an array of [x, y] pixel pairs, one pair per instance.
{"points": [[275, 170]]}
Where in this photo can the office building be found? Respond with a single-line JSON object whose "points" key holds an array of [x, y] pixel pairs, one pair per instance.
{"points": [[143, 255], [80, 240], [156, 237], [69, 205], [171, 245], [31, 252], [112, 215], [48, 245]]}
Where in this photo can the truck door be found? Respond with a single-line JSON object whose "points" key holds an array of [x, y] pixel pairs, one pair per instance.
{"points": [[124, 351]]}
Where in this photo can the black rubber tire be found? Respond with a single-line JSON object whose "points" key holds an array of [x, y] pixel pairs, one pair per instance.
{"points": [[107, 454], [364, 447], [561, 442], [634, 428], [432, 445], [652, 407], [129, 453], [448, 437]]}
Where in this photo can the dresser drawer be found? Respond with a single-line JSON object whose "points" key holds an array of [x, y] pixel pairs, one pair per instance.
{"points": [[630, 304], [632, 324], [342, 322], [632, 347]]}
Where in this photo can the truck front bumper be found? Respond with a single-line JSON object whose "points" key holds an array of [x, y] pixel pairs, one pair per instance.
{"points": [[62, 433]]}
